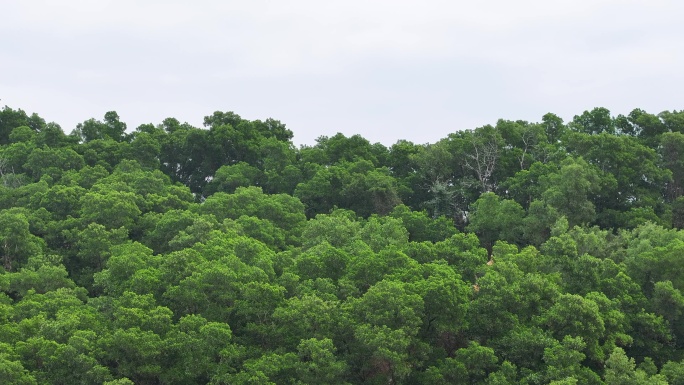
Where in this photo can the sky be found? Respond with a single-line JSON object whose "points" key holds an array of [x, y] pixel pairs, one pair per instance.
{"points": [[387, 70]]}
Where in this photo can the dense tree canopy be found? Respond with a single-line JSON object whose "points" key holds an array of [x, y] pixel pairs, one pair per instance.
{"points": [[514, 253]]}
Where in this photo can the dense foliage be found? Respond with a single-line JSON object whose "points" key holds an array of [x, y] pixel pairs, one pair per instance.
{"points": [[520, 253]]}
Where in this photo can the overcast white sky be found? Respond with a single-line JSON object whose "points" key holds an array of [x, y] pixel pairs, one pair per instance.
{"points": [[387, 70]]}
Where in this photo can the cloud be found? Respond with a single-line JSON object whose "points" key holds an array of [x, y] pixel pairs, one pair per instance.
{"points": [[386, 69]]}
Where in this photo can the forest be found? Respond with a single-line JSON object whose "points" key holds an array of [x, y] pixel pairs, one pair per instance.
{"points": [[526, 253]]}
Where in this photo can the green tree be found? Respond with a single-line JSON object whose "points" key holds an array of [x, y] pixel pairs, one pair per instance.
{"points": [[230, 177], [564, 361], [495, 219], [111, 128], [307, 316], [668, 302], [594, 122], [671, 150], [284, 211], [647, 126], [674, 372], [553, 127], [382, 232], [62, 200], [568, 190], [196, 350], [639, 179], [17, 242], [41, 274], [622, 370], [13, 372], [110, 208], [132, 353], [318, 363], [11, 119], [423, 228], [575, 316], [53, 162]]}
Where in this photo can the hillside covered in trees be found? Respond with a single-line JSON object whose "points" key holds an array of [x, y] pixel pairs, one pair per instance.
{"points": [[518, 253]]}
